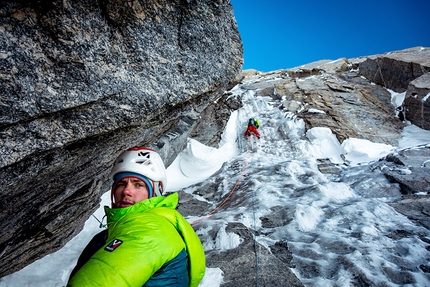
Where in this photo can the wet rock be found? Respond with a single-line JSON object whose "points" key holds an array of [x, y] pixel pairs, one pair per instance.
{"points": [[409, 168], [415, 207], [399, 277], [280, 250], [425, 268], [251, 263], [326, 167], [278, 216]]}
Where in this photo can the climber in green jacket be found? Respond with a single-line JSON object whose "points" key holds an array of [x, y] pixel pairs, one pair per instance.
{"points": [[147, 243]]}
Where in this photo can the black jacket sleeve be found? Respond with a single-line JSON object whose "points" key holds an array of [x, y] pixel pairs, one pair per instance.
{"points": [[98, 241]]}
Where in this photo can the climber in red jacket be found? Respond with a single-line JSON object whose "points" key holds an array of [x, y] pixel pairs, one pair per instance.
{"points": [[253, 125]]}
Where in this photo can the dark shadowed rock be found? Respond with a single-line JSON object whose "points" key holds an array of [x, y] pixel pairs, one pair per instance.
{"points": [[209, 126], [395, 70], [417, 102], [278, 216], [281, 251], [190, 206], [400, 71]]}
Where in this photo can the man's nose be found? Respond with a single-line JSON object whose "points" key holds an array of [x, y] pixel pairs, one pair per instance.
{"points": [[127, 189]]}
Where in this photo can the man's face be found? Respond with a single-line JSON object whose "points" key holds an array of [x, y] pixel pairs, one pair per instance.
{"points": [[128, 191]]}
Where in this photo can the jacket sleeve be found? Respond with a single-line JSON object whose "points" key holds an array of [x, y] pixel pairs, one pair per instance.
{"points": [[92, 247], [194, 247], [195, 251]]}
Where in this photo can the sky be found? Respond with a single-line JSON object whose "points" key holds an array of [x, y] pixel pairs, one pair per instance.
{"points": [[197, 162], [282, 34]]}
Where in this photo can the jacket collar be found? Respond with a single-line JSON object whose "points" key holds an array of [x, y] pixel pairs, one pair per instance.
{"points": [[169, 201]]}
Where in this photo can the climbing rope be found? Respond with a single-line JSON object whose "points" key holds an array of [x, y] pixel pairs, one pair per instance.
{"points": [[253, 208], [254, 201], [233, 189]]}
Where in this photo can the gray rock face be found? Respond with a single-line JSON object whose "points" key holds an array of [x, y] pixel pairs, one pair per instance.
{"points": [[395, 70], [83, 80], [405, 70], [331, 94]]}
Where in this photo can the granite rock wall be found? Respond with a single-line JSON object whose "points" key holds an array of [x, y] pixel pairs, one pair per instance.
{"points": [[83, 80]]}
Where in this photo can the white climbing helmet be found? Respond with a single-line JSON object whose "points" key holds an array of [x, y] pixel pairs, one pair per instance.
{"points": [[143, 161]]}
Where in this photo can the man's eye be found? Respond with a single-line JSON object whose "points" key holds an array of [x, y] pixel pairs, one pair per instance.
{"points": [[120, 184]]}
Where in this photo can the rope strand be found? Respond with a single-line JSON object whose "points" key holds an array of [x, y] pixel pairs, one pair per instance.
{"points": [[232, 190], [253, 208], [254, 197]]}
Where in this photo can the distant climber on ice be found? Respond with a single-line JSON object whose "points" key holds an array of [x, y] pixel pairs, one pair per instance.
{"points": [[253, 125]]}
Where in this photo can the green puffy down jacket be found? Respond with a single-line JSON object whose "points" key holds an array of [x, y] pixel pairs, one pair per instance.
{"points": [[150, 233]]}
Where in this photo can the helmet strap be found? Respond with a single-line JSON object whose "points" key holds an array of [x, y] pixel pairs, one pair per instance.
{"points": [[158, 188]]}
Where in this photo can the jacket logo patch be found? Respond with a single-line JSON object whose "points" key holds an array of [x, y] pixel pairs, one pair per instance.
{"points": [[113, 245]]}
